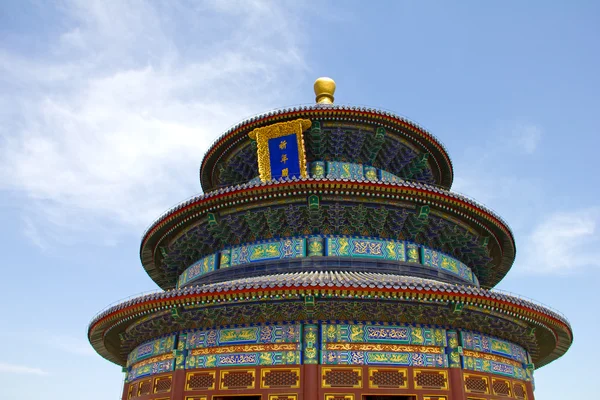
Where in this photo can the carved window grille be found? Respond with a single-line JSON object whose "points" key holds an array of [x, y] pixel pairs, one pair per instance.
{"points": [[201, 381], [133, 390], [431, 380], [162, 385], [519, 391], [388, 378], [280, 379], [342, 378], [237, 380], [501, 387], [145, 388], [476, 384]]}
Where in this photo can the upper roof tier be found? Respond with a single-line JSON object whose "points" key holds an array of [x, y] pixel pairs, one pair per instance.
{"points": [[338, 133]]}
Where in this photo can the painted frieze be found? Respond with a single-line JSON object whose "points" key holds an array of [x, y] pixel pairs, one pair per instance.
{"points": [[257, 345], [157, 365], [368, 248], [359, 344], [433, 258], [151, 349], [482, 362], [344, 170], [364, 333], [487, 344], [201, 267], [275, 250], [412, 359], [388, 177]]}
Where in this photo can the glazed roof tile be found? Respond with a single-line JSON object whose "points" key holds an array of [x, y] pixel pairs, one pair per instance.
{"points": [[342, 279]]}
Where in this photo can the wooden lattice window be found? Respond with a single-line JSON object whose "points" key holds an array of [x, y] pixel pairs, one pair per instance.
{"points": [[431, 380], [476, 384], [133, 390], [388, 378], [519, 391], [145, 387], [200, 380], [281, 378], [162, 384], [351, 378], [237, 379], [501, 387]]}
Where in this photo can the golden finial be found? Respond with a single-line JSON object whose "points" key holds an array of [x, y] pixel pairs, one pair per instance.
{"points": [[324, 90]]}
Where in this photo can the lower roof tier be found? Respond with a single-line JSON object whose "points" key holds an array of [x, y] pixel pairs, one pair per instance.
{"points": [[331, 297], [403, 211]]}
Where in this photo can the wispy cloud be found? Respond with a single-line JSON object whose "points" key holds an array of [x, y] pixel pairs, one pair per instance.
{"points": [[21, 369], [71, 345], [106, 130], [527, 136], [562, 243]]}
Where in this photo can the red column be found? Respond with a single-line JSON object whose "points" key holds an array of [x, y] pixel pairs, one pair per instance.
{"points": [[312, 382], [457, 387], [125, 390], [529, 388], [178, 385]]}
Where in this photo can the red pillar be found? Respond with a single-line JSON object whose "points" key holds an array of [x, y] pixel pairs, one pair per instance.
{"points": [[529, 388], [125, 390], [312, 382], [178, 385], [457, 387]]}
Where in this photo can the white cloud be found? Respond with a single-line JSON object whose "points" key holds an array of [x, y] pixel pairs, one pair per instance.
{"points": [[562, 243], [109, 129], [70, 344], [527, 136], [21, 369]]}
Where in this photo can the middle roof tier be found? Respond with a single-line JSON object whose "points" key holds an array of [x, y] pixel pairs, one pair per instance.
{"points": [[401, 211]]}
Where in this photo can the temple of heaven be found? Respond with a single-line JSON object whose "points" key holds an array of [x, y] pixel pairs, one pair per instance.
{"points": [[328, 260]]}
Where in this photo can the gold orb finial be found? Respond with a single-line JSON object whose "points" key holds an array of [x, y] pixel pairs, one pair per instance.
{"points": [[324, 90]]}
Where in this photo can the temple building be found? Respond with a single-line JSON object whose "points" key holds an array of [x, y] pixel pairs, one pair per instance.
{"points": [[328, 259]]}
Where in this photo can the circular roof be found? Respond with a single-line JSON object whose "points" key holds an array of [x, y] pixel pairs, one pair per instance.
{"points": [[396, 126], [459, 208], [111, 332]]}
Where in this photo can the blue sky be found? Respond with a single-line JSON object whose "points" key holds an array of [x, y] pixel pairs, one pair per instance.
{"points": [[107, 107]]}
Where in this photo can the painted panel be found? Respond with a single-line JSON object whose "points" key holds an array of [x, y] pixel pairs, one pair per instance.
{"points": [[371, 173], [151, 349], [389, 177], [358, 333], [243, 359], [344, 170], [384, 358], [433, 258], [412, 253], [317, 169], [289, 248], [368, 248], [247, 335], [488, 344], [200, 267], [481, 364], [151, 368]]}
